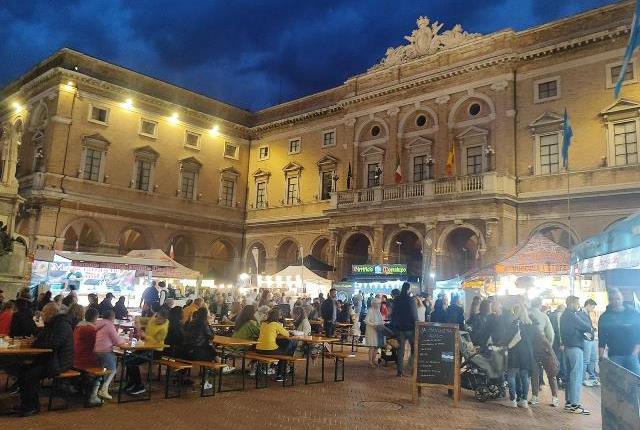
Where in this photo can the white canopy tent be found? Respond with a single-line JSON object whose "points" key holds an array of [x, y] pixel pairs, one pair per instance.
{"points": [[298, 278]]}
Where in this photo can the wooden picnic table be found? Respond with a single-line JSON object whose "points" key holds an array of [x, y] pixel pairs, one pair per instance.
{"points": [[24, 351], [231, 342], [314, 340], [141, 351]]}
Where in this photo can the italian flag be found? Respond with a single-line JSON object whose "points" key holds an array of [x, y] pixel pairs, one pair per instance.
{"points": [[398, 173]]}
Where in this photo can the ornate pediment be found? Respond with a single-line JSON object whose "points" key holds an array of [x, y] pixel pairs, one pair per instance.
{"points": [[425, 40], [472, 132], [292, 167], [419, 144], [190, 164], [327, 163], [229, 171], [96, 141], [547, 122], [261, 174], [620, 107], [372, 151], [147, 153]]}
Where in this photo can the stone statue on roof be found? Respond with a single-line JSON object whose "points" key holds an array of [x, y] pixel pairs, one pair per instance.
{"points": [[424, 40]]}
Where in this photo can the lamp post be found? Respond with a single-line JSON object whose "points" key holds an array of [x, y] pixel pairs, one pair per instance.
{"points": [[398, 243]]}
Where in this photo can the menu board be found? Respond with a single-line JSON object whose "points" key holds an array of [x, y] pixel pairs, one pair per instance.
{"points": [[436, 358]]}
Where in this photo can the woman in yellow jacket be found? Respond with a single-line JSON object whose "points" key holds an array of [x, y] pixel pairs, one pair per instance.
{"points": [[155, 332], [270, 344]]}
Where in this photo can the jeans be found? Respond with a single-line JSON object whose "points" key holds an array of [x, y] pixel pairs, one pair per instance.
{"points": [[574, 358], [518, 383], [536, 376], [404, 336], [107, 360], [590, 360], [629, 362], [329, 328], [563, 371], [285, 347]]}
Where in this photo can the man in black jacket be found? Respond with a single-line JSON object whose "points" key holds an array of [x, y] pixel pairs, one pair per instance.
{"points": [[403, 324], [22, 324], [56, 335], [619, 329], [575, 327], [105, 305], [329, 313]]}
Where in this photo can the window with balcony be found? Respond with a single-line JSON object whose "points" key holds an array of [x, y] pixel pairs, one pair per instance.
{"points": [[474, 160], [549, 154], [326, 185], [373, 175], [421, 168], [93, 158]]}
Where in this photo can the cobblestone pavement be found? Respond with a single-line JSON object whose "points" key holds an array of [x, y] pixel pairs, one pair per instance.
{"points": [[369, 398]]}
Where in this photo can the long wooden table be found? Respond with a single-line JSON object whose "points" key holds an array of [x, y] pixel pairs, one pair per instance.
{"points": [[231, 342], [130, 353], [17, 351], [314, 340]]}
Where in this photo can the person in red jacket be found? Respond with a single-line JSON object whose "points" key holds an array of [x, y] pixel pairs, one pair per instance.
{"points": [[84, 341], [6, 316]]}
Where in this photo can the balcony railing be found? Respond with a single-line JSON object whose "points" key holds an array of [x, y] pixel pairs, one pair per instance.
{"points": [[487, 183]]}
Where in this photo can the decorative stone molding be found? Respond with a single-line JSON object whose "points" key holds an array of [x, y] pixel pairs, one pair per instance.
{"points": [[350, 122], [443, 99], [499, 86], [393, 111], [61, 119], [425, 40]]}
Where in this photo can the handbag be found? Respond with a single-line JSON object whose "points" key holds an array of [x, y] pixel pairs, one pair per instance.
{"points": [[515, 339]]}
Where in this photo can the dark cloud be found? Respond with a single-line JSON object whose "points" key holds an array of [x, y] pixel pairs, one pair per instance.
{"points": [[249, 53]]}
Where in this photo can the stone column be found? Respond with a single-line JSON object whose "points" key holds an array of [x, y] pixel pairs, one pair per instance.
{"points": [[442, 142], [352, 155], [392, 147]]}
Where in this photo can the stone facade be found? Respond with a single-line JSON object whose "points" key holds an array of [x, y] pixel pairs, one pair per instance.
{"points": [[495, 101]]}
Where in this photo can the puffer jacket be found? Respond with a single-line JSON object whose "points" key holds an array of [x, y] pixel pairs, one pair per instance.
{"points": [[57, 335]]}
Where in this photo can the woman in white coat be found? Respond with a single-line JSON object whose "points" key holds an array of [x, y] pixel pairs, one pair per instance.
{"points": [[373, 334]]}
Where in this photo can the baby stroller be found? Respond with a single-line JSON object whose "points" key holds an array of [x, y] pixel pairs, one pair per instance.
{"points": [[482, 370], [389, 352]]}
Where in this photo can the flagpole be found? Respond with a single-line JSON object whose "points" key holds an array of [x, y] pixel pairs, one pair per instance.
{"points": [[571, 284]]}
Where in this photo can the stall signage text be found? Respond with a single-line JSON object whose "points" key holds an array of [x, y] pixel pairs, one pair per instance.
{"points": [[379, 269]]}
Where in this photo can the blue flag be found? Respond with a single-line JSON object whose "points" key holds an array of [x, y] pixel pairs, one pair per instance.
{"points": [[567, 134], [634, 41]]}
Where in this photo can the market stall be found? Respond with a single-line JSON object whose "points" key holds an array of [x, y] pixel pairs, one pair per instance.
{"points": [[180, 277], [538, 268], [610, 259], [296, 280]]}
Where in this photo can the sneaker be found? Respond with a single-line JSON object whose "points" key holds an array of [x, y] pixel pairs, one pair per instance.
{"points": [[569, 407], [534, 400], [207, 385], [128, 388], [227, 369], [555, 402], [596, 383], [104, 394], [587, 383], [510, 403], [252, 373], [578, 409], [279, 378], [523, 404], [137, 390], [95, 401], [271, 371]]}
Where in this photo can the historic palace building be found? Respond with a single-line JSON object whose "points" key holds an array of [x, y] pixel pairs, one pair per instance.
{"points": [[109, 160]]}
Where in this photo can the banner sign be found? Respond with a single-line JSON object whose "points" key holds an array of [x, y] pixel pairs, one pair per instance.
{"points": [[379, 269]]}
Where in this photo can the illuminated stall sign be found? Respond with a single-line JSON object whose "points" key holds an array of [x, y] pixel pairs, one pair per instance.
{"points": [[379, 269]]}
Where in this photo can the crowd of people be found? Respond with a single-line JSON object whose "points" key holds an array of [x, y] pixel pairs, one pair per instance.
{"points": [[563, 343]]}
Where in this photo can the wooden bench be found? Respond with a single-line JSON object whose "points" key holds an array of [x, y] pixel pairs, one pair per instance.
{"points": [[339, 357], [56, 391], [206, 367], [92, 373], [265, 359], [173, 366]]}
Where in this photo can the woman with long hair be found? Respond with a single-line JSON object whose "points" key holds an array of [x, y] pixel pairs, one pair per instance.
{"points": [[520, 360], [374, 337], [270, 344]]}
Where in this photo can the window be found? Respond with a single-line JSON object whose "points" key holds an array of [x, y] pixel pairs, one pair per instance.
{"points": [[143, 175], [188, 185], [375, 131], [230, 151], [92, 162], [549, 154], [328, 138], [192, 140], [263, 153], [294, 146], [421, 120], [327, 185], [546, 89], [148, 128], [421, 168], [292, 190], [99, 115], [474, 160], [373, 175], [613, 73], [474, 109], [261, 194], [228, 188], [625, 142]]}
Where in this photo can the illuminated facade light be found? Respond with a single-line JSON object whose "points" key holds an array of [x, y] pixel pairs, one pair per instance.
{"points": [[215, 131], [128, 104], [17, 107], [174, 117]]}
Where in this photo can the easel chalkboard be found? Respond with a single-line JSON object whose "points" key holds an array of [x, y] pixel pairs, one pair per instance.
{"points": [[436, 359]]}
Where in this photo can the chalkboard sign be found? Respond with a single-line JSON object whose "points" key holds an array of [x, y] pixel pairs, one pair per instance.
{"points": [[436, 358]]}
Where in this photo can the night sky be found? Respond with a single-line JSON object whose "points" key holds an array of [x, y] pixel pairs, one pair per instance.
{"points": [[252, 54]]}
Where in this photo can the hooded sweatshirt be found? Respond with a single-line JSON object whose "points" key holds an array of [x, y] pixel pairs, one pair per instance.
{"points": [[106, 336]]}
